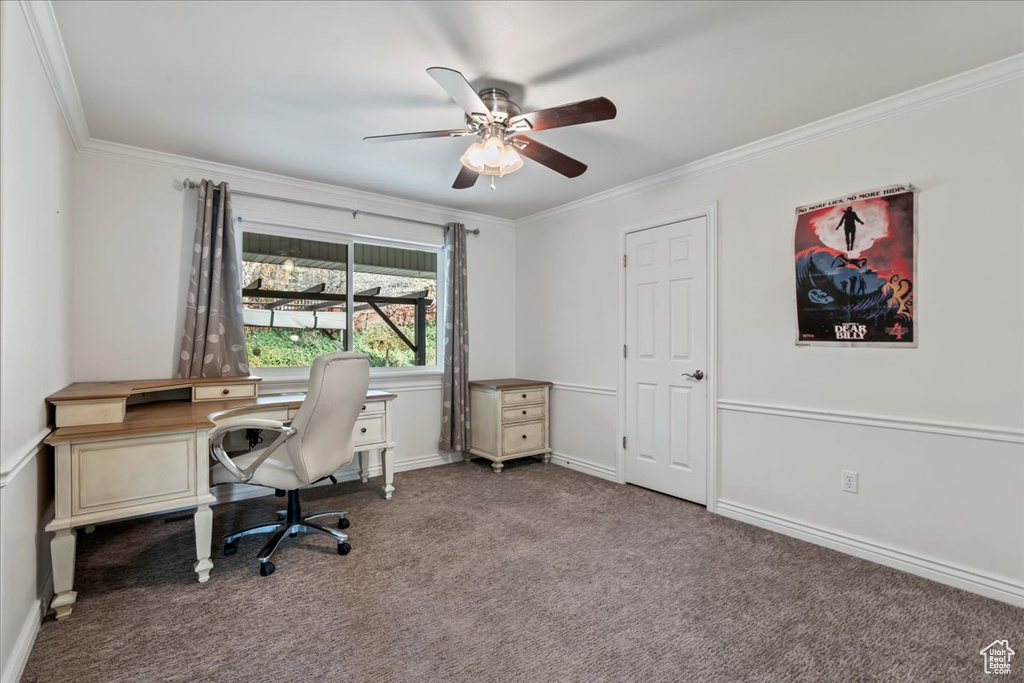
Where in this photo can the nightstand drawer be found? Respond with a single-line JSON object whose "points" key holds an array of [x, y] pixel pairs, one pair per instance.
{"points": [[213, 392], [523, 414], [372, 408], [368, 430], [517, 396], [528, 436]]}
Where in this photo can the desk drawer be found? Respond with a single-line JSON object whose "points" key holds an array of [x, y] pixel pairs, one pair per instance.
{"points": [[522, 413], [215, 392], [516, 396], [129, 472], [528, 436], [368, 430]]}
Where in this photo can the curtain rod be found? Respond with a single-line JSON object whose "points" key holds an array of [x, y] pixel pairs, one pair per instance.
{"points": [[191, 185]]}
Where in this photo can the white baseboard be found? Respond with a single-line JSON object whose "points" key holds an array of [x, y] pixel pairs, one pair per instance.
{"points": [[15, 664], [230, 493], [970, 580], [590, 468]]}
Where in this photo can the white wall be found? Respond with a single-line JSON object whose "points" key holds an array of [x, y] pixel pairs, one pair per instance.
{"points": [[36, 220], [957, 500], [130, 272]]}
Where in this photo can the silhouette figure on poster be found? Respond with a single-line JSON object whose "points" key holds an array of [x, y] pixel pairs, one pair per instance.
{"points": [[849, 221]]}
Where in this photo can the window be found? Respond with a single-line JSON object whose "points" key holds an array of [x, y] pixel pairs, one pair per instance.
{"points": [[297, 302]]}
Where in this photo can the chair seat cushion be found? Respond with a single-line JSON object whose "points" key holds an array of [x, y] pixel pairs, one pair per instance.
{"points": [[278, 473]]}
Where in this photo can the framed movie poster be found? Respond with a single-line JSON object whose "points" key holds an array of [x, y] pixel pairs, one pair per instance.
{"points": [[855, 269]]}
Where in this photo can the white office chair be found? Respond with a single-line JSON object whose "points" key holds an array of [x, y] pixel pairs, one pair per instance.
{"points": [[316, 444]]}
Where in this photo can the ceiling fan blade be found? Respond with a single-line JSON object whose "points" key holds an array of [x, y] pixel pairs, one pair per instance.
{"points": [[551, 158], [456, 85], [417, 136], [587, 111], [466, 178]]}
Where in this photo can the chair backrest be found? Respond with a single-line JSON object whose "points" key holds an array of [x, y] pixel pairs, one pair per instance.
{"points": [[337, 392]]}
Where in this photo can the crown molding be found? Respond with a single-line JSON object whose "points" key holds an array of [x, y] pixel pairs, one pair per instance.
{"points": [[42, 25], [290, 187], [49, 43], [961, 84]]}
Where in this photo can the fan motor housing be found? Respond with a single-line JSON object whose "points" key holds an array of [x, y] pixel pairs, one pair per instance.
{"points": [[498, 103]]}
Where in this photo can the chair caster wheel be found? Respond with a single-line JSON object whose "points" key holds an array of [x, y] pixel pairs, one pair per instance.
{"points": [[293, 534], [344, 548], [267, 568], [343, 523], [230, 548]]}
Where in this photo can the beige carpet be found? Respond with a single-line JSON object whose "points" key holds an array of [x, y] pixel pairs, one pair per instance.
{"points": [[536, 574]]}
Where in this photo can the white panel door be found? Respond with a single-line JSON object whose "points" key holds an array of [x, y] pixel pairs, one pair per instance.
{"points": [[666, 358]]}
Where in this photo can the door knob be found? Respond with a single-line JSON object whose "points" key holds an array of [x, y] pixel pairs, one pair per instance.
{"points": [[697, 375]]}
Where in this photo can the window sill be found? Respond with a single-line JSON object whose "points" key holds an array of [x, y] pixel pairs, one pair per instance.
{"points": [[292, 380]]}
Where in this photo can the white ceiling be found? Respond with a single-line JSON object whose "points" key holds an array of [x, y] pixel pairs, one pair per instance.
{"points": [[292, 87]]}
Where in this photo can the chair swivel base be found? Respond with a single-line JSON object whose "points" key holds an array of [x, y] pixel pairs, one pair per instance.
{"points": [[290, 522]]}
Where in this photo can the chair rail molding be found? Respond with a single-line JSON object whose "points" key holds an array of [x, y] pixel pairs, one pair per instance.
{"points": [[23, 456], [932, 93], [584, 389], [970, 431], [950, 574]]}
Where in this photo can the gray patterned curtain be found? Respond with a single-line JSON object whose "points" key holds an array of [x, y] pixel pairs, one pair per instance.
{"points": [[213, 344], [455, 398]]}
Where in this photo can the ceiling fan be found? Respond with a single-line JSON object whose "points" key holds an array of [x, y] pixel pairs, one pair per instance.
{"points": [[500, 126]]}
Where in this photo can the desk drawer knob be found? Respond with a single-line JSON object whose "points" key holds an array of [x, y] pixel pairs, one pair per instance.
{"points": [[363, 431], [364, 407], [226, 392], [524, 436], [524, 412], [524, 395]]}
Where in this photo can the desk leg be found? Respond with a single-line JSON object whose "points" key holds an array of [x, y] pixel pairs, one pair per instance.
{"points": [[364, 471], [387, 463], [204, 538], [62, 555]]}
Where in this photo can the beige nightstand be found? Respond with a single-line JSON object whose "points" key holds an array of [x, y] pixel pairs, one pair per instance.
{"points": [[509, 419]]}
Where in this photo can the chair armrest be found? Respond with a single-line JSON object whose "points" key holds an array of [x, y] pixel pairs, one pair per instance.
{"points": [[218, 433]]}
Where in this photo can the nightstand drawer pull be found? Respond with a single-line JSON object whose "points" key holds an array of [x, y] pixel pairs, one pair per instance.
{"points": [[363, 430]]}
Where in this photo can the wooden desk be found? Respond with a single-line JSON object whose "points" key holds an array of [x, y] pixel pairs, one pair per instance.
{"points": [[157, 460]]}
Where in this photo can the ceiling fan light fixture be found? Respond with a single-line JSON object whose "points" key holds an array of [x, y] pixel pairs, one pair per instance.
{"points": [[492, 157]]}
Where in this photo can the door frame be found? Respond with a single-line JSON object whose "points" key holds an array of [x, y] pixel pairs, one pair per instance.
{"points": [[710, 213]]}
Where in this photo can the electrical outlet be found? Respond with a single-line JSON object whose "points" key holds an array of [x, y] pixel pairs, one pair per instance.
{"points": [[849, 482]]}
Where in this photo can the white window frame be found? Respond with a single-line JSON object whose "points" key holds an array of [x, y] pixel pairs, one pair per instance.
{"points": [[284, 376]]}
